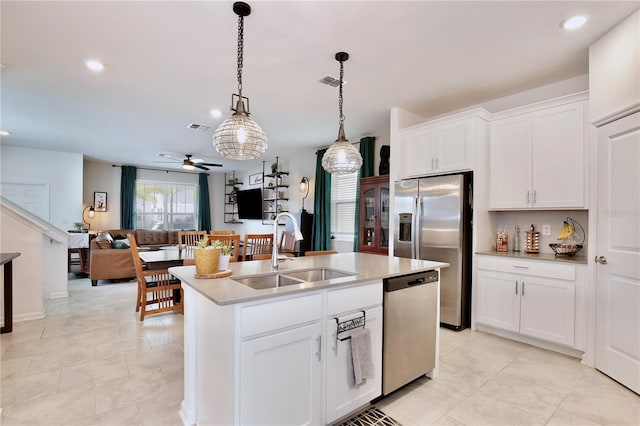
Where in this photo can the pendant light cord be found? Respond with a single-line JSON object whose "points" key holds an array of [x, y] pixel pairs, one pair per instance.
{"points": [[240, 52]]}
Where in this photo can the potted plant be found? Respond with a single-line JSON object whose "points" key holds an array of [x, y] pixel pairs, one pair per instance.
{"points": [[78, 226], [274, 167], [206, 258], [225, 254]]}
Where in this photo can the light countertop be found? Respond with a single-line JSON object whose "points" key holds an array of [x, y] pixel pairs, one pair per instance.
{"points": [[226, 291], [536, 256]]}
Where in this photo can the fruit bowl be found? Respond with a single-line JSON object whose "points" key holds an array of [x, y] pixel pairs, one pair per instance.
{"points": [[565, 249]]}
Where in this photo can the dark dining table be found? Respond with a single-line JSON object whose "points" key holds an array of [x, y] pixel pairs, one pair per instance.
{"points": [[165, 257]]}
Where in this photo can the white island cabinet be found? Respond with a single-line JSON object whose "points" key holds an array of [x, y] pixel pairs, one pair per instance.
{"points": [[273, 356]]}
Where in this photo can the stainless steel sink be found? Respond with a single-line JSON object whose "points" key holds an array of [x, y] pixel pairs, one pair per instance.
{"points": [[321, 274], [268, 281], [284, 278]]}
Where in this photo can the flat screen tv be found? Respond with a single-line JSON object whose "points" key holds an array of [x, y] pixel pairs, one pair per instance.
{"points": [[249, 203]]}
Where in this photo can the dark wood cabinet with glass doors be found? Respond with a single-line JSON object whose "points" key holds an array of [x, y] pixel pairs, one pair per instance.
{"points": [[374, 214]]}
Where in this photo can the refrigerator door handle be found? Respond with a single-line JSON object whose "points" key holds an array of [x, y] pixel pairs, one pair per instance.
{"points": [[416, 238], [414, 232]]}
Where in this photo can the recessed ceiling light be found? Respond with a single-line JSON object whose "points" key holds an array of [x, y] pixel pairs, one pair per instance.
{"points": [[94, 65], [215, 113], [574, 22], [4, 133]]}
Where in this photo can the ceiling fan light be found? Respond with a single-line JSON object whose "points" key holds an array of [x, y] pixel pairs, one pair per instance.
{"points": [[188, 167]]}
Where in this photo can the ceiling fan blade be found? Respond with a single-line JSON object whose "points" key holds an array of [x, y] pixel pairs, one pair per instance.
{"points": [[169, 156], [200, 167], [211, 164]]}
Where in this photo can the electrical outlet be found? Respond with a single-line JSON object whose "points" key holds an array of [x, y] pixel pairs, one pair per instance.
{"points": [[546, 229]]}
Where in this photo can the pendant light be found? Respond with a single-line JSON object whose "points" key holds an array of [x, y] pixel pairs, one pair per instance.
{"points": [[239, 137], [341, 158]]}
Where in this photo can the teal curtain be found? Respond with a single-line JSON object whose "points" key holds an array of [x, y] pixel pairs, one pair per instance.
{"points": [[204, 208], [321, 233], [128, 197], [367, 146]]}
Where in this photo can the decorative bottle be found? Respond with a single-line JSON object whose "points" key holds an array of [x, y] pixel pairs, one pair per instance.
{"points": [[516, 239]]}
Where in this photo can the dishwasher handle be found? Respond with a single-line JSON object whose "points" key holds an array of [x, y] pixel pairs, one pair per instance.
{"points": [[410, 280], [416, 282]]}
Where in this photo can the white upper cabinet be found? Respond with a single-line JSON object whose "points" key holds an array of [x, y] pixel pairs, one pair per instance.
{"points": [[537, 159], [442, 146]]}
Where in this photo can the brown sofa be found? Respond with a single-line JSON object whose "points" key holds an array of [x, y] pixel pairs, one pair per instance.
{"points": [[107, 263]]}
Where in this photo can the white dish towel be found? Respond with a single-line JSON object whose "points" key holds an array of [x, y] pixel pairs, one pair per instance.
{"points": [[361, 356]]}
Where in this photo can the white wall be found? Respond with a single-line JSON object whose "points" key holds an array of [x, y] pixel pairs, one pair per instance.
{"points": [[28, 269], [614, 69], [61, 170]]}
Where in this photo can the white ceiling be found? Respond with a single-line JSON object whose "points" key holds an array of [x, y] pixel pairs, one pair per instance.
{"points": [[169, 63]]}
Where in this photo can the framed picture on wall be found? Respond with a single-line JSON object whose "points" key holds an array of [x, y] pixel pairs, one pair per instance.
{"points": [[100, 201], [255, 179]]}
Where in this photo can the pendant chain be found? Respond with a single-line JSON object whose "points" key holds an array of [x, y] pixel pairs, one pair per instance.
{"points": [[340, 92], [240, 52]]}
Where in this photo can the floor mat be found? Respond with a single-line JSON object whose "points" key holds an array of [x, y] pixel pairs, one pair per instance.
{"points": [[371, 417]]}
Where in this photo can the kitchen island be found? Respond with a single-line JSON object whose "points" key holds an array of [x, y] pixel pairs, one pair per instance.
{"points": [[260, 354]]}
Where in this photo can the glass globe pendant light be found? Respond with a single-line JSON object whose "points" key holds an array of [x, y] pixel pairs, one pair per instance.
{"points": [[341, 158], [239, 137]]}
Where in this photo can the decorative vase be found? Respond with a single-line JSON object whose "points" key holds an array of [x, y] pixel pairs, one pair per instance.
{"points": [[223, 263], [207, 260]]}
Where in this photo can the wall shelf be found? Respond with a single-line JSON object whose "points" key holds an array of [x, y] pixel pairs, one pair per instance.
{"points": [[275, 190], [231, 185]]}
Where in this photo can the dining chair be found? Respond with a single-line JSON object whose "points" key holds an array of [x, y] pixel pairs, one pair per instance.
{"points": [[155, 282], [257, 244], [231, 241], [190, 238], [223, 232], [319, 252], [262, 256], [287, 242]]}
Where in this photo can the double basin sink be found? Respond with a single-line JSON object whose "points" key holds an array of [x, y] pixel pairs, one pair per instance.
{"points": [[285, 278]]}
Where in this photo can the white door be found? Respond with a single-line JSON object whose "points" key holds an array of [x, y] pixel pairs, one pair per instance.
{"points": [[499, 300], [343, 395], [280, 378], [618, 280], [547, 309], [510, 161]]}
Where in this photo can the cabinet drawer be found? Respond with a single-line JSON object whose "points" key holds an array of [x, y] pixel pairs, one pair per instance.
{"points": [[270, 316], [527, 267], [354, 298]]}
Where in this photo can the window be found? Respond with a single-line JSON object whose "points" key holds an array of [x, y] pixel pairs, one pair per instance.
{"points": [[165, 205], [343, 205]]}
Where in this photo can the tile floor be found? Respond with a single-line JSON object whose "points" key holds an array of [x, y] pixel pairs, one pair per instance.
{"points": [[91, 362]]}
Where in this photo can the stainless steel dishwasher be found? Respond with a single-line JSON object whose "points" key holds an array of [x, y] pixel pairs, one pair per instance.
{"points": [[409, 328]]}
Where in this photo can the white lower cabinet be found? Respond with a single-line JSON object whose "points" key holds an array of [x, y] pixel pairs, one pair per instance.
{"points": [[528, 297], [275, 361], [343, 395], [281, 377]]}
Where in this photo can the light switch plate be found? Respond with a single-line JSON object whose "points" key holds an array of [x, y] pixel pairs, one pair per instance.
{"points": [[546, 229]]}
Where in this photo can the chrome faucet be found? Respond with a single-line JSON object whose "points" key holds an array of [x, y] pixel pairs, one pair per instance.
{"points": [[296, 231]]}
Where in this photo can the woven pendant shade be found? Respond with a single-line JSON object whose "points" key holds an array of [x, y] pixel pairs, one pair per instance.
{"points": [[239, 137], [341, 158]]}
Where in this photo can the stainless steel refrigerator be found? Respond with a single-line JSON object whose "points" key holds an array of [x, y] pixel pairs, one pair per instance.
{"points": [[433, 222]]}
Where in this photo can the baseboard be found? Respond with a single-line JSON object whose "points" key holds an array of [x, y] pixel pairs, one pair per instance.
{"points": [[58, 295], [30, 316], [531, 341], [188, 418]]}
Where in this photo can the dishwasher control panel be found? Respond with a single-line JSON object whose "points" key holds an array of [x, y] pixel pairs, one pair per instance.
{"points": [[410, 280]]}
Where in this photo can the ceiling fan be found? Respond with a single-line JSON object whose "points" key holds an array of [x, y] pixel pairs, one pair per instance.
{"points": [[188, 163]]}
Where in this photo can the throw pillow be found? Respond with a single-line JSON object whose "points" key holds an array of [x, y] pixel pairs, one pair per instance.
{"points": [[119, 245], [103, 240]]}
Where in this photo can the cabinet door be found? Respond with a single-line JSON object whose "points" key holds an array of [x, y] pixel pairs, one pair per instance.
{"points": [[547, 309], [558, 157], [368, 224], [510, 163], [498, 300], [280, 378], [452, 152], [343, 396], [419, 147]]}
